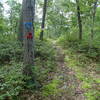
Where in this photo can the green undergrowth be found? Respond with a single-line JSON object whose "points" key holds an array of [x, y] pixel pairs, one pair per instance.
{"points": [[86, 65], [90, 50], [51, 89], [11, 81], [12, 86], [87, 72]]}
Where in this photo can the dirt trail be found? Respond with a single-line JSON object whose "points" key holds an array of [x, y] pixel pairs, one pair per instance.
{"points": [[70, 86]]}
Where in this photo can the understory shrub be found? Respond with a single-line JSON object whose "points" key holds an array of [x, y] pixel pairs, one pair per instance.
{"points": [[91, 51], [12, 85]]}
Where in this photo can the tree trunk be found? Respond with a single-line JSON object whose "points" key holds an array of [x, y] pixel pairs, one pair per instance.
{"points": [[79, 19], [20, 33], [43, 20], [93, 18], [11, 21], [20, 30], [28, 36]]}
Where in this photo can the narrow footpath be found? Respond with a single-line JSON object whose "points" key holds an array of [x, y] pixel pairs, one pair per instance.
{"points": [[69, 87]]}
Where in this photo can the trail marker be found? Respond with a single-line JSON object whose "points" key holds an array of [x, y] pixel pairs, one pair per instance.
{"points": [[28, 25]]}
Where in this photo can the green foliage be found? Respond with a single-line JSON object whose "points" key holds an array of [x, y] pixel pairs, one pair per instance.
{"points": [[61, 24], [83, 66], [44, 50], [13, 17], [51, 88], [10, 50], [82, 47], [11, 83], [92, 95], [45, 60]]}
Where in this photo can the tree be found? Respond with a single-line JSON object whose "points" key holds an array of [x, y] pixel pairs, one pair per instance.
{"points": [[13, 15], [28, 34], [93, 17], [43, 20], [79, 19], [1, 9], [20, 29], [1, 17]]}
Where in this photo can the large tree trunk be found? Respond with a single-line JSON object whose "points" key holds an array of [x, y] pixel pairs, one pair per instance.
{"points": [[43, 20], [28, 36], [20, 33], [79, 19]]}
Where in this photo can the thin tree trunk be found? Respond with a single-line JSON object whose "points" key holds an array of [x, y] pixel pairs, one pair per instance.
{"points": [[34, 16], [28, 30], [11, 20], [20, 30], [79, 19], [43, 20], [93, 18], [20, 33]]}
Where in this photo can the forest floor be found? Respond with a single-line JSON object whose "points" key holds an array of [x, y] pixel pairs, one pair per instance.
{"points": [[70, 85], [64, 84], [80, 79], [63, 72], [81, 72]]}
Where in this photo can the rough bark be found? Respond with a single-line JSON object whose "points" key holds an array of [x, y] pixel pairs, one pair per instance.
{"points": [[43, 20], [79, 19], [28, 36], [20, 33]]}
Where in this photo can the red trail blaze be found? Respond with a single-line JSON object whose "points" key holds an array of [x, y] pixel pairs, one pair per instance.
{"points": [[29, 35]]}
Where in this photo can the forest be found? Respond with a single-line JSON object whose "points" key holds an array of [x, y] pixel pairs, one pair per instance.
{"points": [[49, 49]]}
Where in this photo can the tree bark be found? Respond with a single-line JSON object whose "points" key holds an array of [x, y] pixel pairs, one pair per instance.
{"points": [[20, 33], [20, 30], [28, 36], [43, 20], [11, 21], [79, 19], [93, 18]]}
